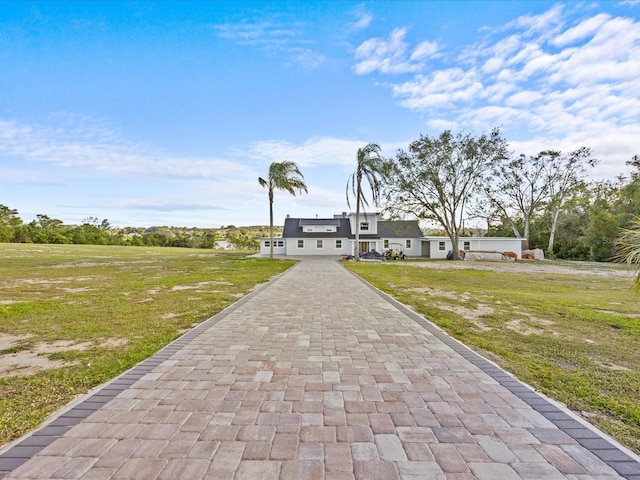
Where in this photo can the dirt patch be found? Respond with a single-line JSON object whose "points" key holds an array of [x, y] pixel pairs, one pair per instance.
{"points": [[594, 269], [198, 286], [520, 326], [18, 357], [476, 314]]}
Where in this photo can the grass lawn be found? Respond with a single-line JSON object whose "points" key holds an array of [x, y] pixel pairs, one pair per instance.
{"points": [[74, 316], [574, 337]]}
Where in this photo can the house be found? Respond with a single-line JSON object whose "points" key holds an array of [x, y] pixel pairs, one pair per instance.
{"points": [[336, 236], [439, 247]]}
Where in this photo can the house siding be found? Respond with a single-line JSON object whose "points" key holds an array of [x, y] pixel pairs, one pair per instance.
{"points": [[499, 244], [341, 228], [400, 244], [310, 246]]}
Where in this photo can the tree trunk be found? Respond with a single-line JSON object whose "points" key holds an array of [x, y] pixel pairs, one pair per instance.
{"points": [[357, 245], [514, 229], [358, 199], [271, 224], [525, 237], [552, 234], [454, 245]]}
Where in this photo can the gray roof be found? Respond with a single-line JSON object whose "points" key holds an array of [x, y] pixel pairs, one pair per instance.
{"points": [[399, 229], [293, 227], [320, 221], [386, 228]]}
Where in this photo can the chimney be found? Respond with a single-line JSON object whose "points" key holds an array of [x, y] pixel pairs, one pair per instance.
{"points": [[288, 216]]}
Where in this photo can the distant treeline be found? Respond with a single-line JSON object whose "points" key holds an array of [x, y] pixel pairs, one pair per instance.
{"points": [[93, 231]]}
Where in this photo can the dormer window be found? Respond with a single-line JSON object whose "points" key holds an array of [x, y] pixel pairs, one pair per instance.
{"points": [[364, 226]]}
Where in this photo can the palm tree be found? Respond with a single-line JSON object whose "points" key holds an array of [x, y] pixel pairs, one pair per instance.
{"points": [[628, 245], [370, 166], [282, 176]]}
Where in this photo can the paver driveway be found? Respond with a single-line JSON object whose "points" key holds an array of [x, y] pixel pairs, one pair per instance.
{"points": [[316, 375]]}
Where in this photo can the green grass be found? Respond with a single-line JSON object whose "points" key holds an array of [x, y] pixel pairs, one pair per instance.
{"points": [[574, 337], [115, 306]]}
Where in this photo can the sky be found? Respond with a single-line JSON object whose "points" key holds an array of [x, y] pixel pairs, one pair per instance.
{"points": [[166, 113]]}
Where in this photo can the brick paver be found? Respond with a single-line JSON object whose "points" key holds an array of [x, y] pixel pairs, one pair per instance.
{"points": [[316, 376]]}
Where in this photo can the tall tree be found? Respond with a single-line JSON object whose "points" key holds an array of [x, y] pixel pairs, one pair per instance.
{"points": [[9, 222], [565, 175], [518, 189], [284, 176], [370, 167], [525, 185], [438, 178]]}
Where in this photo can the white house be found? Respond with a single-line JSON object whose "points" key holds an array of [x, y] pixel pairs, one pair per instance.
{"points": [[336, 236], [439, 247]]}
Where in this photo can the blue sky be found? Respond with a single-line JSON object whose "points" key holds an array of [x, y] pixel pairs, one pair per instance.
{"points": [[166, 113]]}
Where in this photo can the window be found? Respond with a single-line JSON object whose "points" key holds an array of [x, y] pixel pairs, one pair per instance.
{"points": [[386, 244], [300, 243], [279, 243], [364, 225], [267, 243], [328, 229], [318, 243], [338, 243], [308, 229], [441, 246], [408, 243], [467, 245]]}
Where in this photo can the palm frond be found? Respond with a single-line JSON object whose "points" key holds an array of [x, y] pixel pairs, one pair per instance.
{"points": [[628, 246]]}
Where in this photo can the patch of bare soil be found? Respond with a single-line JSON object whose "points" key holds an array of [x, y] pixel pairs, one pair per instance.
{"points": [[18, 357], [540, 266]]}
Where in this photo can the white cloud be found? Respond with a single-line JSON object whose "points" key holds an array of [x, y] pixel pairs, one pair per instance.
{"points": [[545, 24], [287, 39], [563, 77], [87, 145], [524, 98], [581, 31], [363, 20], [424, 50], [256, 33], [317, 151], [442, 89], [392, 55]]}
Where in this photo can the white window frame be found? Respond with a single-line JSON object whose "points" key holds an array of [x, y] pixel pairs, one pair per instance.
{"points": [[407, 243], [364, 226], [300, 243], [267, 243], [338, 243], [386, 244], [466, 245], [319, 244], [442, 246]]}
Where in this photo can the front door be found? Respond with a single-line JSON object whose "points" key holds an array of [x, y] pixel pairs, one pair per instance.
{"points": [[364, 247], [426, 249]]}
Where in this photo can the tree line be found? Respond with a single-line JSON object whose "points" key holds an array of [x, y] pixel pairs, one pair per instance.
{"points": [[93, 231], [546, 199]]}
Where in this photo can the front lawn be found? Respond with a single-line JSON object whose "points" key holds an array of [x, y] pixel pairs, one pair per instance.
{"points": [[573, 336]]}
